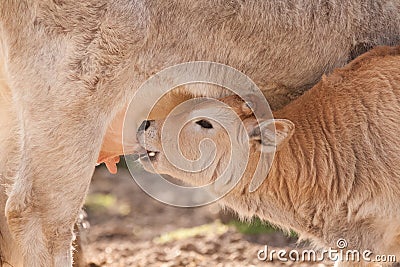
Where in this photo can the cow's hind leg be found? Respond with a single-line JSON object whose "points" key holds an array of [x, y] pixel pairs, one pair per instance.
{"points": [[10, 253], [57, 159]]}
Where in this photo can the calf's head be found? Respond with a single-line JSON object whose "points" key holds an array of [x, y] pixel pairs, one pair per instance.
{"points": [[202, 141]]}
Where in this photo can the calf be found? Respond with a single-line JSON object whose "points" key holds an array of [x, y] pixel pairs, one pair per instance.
{"points": [[70, 66], [336, 170]]}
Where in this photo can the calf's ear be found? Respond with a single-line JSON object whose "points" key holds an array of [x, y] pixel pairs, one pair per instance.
{"points": [[263, 134]]}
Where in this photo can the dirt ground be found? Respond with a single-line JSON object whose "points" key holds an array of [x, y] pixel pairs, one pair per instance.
{"points": [[129, 228]]}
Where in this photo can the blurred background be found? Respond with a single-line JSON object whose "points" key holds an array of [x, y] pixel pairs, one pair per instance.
{"points": [[129, 228]]}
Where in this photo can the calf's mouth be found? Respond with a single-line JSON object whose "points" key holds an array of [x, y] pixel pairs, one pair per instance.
{"points": [[148, 154]]}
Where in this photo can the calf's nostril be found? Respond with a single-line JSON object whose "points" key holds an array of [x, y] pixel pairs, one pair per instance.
{"points": [[145, 125]]}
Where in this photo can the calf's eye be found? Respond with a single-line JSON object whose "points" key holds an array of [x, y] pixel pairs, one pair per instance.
{"points": [[204, 124]]}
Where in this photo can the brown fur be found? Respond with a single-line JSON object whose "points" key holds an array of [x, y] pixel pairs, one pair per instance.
{"points": [[336, 174], [70, 66]]}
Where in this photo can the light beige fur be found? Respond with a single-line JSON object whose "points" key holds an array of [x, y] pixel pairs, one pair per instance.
{"points": [[70, 66], [336, 172]]}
